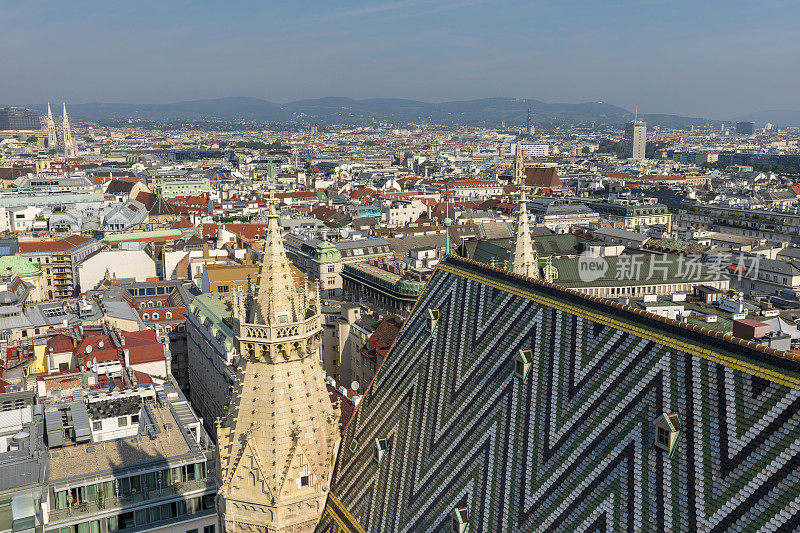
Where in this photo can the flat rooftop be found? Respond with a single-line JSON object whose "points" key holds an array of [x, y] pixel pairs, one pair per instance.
{"points": [[91, 459]]}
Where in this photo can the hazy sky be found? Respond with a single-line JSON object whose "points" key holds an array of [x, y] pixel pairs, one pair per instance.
{"points": [[711, 58]]}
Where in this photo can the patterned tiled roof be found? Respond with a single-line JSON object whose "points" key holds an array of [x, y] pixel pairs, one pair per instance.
{"points": [[572, 445]]}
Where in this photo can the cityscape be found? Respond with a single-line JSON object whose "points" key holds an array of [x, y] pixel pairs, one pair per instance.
{"points": [[462, 311]]}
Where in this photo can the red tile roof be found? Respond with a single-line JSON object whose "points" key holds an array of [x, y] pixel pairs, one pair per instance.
{"points": [[362, 193], [247, 231], [181, 223], [59, 344], [378, 344], [143, 347], [542, 177], [61, 245]]}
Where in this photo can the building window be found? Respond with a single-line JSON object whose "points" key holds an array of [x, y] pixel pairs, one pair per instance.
{"points": [[305, 481], [380, 447], [331, 268], [97, 425], [168, 315], [222, 288], [122, 421], [208, 529], [663, 436], [155, 316]]}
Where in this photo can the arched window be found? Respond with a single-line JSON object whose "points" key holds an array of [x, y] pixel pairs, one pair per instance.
{"points": [[155, 316], [168, 315]]}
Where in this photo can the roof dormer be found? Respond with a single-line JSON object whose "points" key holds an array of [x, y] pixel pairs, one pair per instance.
{"points": [[668, 429]]}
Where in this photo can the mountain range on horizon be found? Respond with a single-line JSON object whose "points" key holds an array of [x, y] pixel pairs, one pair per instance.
{"points": [[339, 110]]}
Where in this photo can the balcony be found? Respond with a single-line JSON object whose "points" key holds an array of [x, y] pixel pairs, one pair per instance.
{"points": [[132, 500]]}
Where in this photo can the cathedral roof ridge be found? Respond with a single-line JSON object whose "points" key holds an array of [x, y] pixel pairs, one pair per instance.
{"points": [[769, 363]]}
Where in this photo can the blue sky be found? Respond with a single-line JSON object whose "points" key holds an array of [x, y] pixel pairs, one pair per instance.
{"points": [[710, 58]]}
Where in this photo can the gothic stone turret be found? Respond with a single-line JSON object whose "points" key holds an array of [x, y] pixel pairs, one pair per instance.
{"points": [[278, 441]]}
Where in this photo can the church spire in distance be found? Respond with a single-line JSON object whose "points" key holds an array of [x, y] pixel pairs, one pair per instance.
{"points": [[524, 260], [69, 144]]}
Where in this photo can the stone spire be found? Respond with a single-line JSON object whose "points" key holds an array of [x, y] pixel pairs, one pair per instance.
{"points": [[276, 299], [519, 164], [50, 126], [278, 440], [69, 144], [524, 260]]}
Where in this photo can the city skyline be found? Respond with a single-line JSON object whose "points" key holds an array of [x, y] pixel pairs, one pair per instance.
{"points": [[710, 64]]}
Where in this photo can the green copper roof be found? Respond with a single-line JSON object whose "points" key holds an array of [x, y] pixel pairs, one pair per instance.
{"points": [[141, 235], [19, 265], [213, 308]]}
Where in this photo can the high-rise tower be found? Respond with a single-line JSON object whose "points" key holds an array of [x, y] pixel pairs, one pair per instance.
{"points": [[50, 126], [529, 123], [518, 167], [524, 260], [278, 440], [69, 144]]}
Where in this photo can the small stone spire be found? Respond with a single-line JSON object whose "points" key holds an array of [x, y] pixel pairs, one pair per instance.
{"points": [[69, 144], [524, 260], [50, 126], [276, 299]]}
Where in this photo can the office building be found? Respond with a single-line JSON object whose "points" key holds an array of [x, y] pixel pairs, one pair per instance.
{"points": [[19, 118], [635, 140], [745, 128]]}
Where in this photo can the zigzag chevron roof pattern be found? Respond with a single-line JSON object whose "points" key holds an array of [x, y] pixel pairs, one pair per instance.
{"points": [[570, 448]]}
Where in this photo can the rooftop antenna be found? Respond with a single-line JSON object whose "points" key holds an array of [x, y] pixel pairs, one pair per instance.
{"points": [[635, 113]]}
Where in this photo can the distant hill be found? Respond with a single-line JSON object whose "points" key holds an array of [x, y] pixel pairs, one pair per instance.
{"points": [[333, 110], [778, 117]]}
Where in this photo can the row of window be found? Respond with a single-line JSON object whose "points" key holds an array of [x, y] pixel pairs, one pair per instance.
{"points": [[97, 425], [155, 316], [151, 304], [148, 516], [128, 485]]}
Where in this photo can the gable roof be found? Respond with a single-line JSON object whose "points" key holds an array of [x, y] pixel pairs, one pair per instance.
{"points": [[462, 428], [542, 177]]}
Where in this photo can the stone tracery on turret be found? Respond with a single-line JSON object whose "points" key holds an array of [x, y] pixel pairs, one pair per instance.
{"points": [[278, 440]]}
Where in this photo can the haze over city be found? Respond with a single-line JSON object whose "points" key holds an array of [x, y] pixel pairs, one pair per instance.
{"points": [[461, 266], [715, 59]]}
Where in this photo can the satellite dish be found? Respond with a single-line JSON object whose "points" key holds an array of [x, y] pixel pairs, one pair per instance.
{"points": [[354, 385], [89, 349]]}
